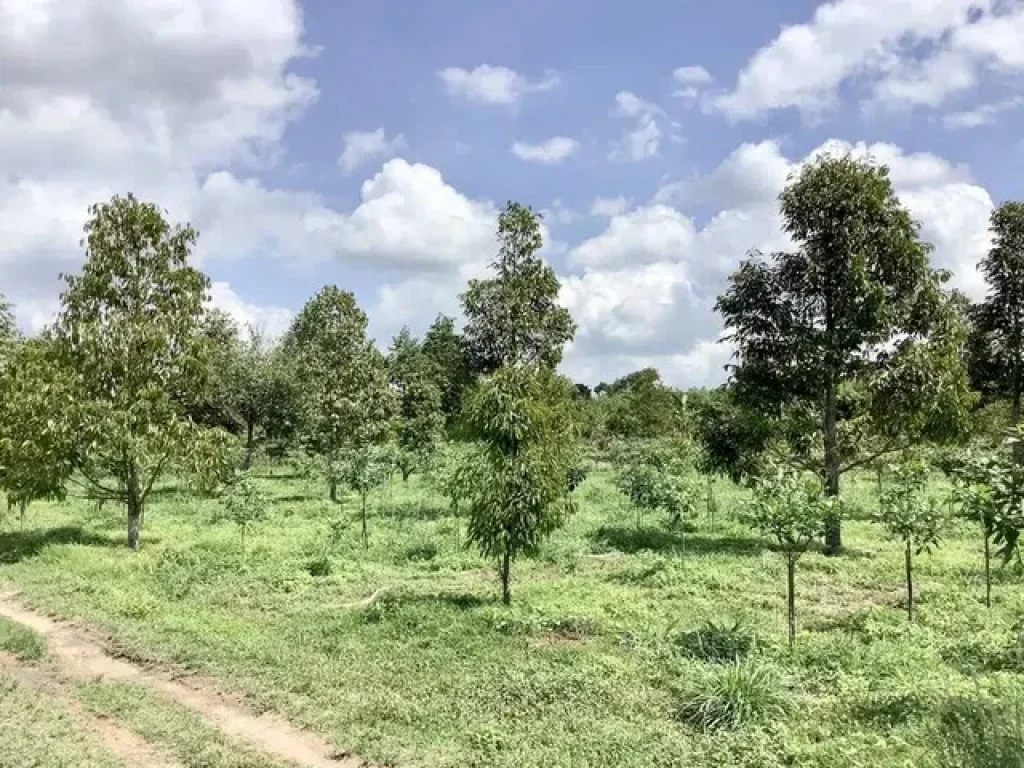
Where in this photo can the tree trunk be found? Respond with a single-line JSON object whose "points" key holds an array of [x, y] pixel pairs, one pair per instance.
{"points": [[366, 533], [791, 599], [332, 485], [506, 575], [22, 509], [455, 508], [711, 502], [878, 471], [134, 501], [988, 572], [833, 530], [250, 444], [910, 583], [406, 471]]}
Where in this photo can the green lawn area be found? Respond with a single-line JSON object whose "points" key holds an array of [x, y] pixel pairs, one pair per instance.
{"points": [[589, 666]]}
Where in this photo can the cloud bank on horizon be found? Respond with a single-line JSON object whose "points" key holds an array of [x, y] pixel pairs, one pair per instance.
{"points": [[311, 143]]}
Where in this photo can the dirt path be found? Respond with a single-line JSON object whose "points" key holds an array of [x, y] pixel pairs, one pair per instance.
{"points": [[124, 744], [81, 657]]}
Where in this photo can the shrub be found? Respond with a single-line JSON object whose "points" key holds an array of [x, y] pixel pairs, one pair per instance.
{"points": [[718, 643], [735, 695], [319, 566]]}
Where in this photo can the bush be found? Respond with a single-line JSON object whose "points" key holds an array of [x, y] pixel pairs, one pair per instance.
{"points": [[736, 695], [319, 566], [717, 643]]}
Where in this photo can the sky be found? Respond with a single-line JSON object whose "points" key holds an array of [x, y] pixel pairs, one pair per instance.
{"points": [[371, 145]]}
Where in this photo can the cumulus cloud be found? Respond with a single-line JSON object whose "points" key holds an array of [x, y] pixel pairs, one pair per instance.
{"points": [[648, 283], [488, 84], [901, 52], [643, 140], [361, 146], [271, 321], [692, 75], [550, 152], [609, 206]]}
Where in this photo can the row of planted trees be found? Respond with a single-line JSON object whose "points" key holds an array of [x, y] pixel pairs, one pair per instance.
{"points": [[849, 349]]}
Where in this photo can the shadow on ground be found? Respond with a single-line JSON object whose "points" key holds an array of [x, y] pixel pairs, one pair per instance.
{"points": [[16, 546], [631, 539]]}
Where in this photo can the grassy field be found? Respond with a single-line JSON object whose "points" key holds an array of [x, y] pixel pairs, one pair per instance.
{"points": [[403, 655]]}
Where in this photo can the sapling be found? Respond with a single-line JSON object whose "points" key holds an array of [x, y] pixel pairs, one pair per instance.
{"points": [[363, 470], [244, 504], [790, 507], [977, 482], [451, 477], [911, 518]]}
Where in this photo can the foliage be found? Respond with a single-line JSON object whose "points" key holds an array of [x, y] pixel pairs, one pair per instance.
{"points": [[37, 447], [856, 302], [742, 693], [997, 349], [732, 436], [717, 643], [347, 398], [211, 464], [791, 508], [518, 495], [446, 348], [364, 467], [419, 423], [244, 504], [639, 406], [651, 476], [912, 519], [129, 333], [452, 477], [514, 318]]}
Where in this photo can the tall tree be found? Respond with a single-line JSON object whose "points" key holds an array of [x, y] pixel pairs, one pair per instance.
{"points": [[419, 422], [852, 328], [446, 348], [999, 320], [129, 332], [514, 317], [347, 399]]}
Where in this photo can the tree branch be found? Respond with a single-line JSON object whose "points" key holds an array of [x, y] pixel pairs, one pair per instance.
{"points": [[889, 448]]}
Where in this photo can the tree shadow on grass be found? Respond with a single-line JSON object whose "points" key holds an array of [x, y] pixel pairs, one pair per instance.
{"points": [[631, 540], [414, 510], [16, 546], [462, 601]]}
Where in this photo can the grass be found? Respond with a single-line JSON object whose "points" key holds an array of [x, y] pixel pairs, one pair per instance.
{"points": [[170, 726], [21, 642], [585, 668], [37, 732]]}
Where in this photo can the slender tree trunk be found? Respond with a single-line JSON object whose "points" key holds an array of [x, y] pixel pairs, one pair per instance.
{"points": [[366, 533], [332, 485], [22, 509], [134, 501], [988, 571], [506, 576], [711, 502], [833, 530], [250, 443], [908, 559], [455, 508], [878, 475], [791, 598]]}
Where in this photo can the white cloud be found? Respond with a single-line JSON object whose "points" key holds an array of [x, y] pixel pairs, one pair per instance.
{"points": [[609, 206], [550, 152], [643, 141], [984, 114], [649, 281], [847, 40], [488, 84], [361, 146], [692, 75], [271, 321]]}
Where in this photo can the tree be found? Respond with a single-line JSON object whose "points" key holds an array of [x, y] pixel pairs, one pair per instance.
{"points": [[518, 494], [651, 477], [365, 467], [347, 399], [640, 406], [855, 312], [911, 518], [419, 423], [244, 504], [451, 477], [999, 320], [446, 348], [37, 451], [514, 318], [976, 477], [8, 329], [789, 507], [128, 331]]}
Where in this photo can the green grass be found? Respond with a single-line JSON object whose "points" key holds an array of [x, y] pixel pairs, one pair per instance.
{"points": [[175, 729], [37, 732], [585, 668], [21, 642]]}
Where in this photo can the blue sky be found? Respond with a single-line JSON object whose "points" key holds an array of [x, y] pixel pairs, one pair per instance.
{"points": [[371, 144]]}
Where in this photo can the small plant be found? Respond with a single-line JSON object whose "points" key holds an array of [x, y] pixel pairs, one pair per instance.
{"points": [[912, 519], [244, 504], [319, 566], [718, 643], [735, 695], [791, 508], [451, 477], [363, 470], [652, 482]]}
